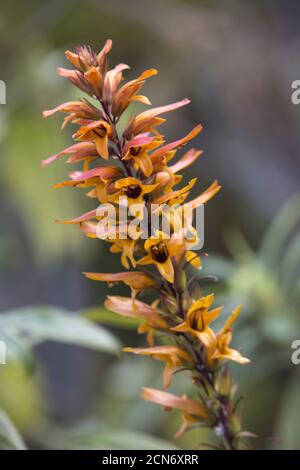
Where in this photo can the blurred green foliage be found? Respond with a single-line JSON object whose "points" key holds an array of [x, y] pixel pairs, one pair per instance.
{"points": [[21, 331], [10, 438]]}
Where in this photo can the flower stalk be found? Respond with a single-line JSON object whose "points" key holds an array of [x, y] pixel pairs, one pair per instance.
{"points": [[129, 169]]}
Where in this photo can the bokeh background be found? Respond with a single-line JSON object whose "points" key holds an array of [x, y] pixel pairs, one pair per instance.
{"points": [[236, 62]]}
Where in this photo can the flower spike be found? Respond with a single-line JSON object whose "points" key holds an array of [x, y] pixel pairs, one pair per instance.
{"points": [[140, 212]]}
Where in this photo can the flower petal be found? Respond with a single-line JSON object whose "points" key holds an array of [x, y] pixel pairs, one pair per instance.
{"points": [[145, 164], [187, 159], [205, 196], [136, 280], [87, 216], [166, 270], [169, 400], [231, 319], [178, 143]]}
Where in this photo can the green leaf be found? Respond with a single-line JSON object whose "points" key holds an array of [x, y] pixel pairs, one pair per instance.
{"points": [[219, 266], [288, 424], [105, 317], [17, 350], [129, 440], [95, 437], [291, 263], [281, 329], [10, 438], [279, 230], [239, 247], [29, 326]]}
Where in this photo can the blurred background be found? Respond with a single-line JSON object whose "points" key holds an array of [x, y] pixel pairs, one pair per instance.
{"points": [[236, 62]]}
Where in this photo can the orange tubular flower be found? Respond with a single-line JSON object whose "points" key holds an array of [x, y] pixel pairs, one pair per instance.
{"points": [[152, 319], [193, 411], [148, 120], [133, 189], [220, 350], [172, 355], [198, 319], [158, 257], [127, 93], [169, 400], [135, 309], [160, 250], [126, 248], [136, 280], [97, 132], [137, 150]]}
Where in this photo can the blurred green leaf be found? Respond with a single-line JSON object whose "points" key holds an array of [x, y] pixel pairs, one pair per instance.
{"points": [[218, 266], [95, 437], [281, 227], [239, 247], [21, 396], [33, 325], [291, 263], [10, 438], [279, 329], [288, 424], [106, 317], [17, 349]]}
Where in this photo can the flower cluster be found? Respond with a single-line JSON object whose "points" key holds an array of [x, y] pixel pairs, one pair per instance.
{"points": [[126, 165]]}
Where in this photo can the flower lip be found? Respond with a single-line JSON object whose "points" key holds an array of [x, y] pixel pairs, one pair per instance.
{"points": [[133, 191], [160, 252], [101, 131], [135, 150], [197, 321]]}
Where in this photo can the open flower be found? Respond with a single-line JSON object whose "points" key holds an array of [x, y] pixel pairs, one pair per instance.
{"points": [[198, 319], [160, 251], [127, 93], [191, 238], [133, 189], [126, 248], [137, 150], [97, 132], [221, 350], [173, 356]]}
